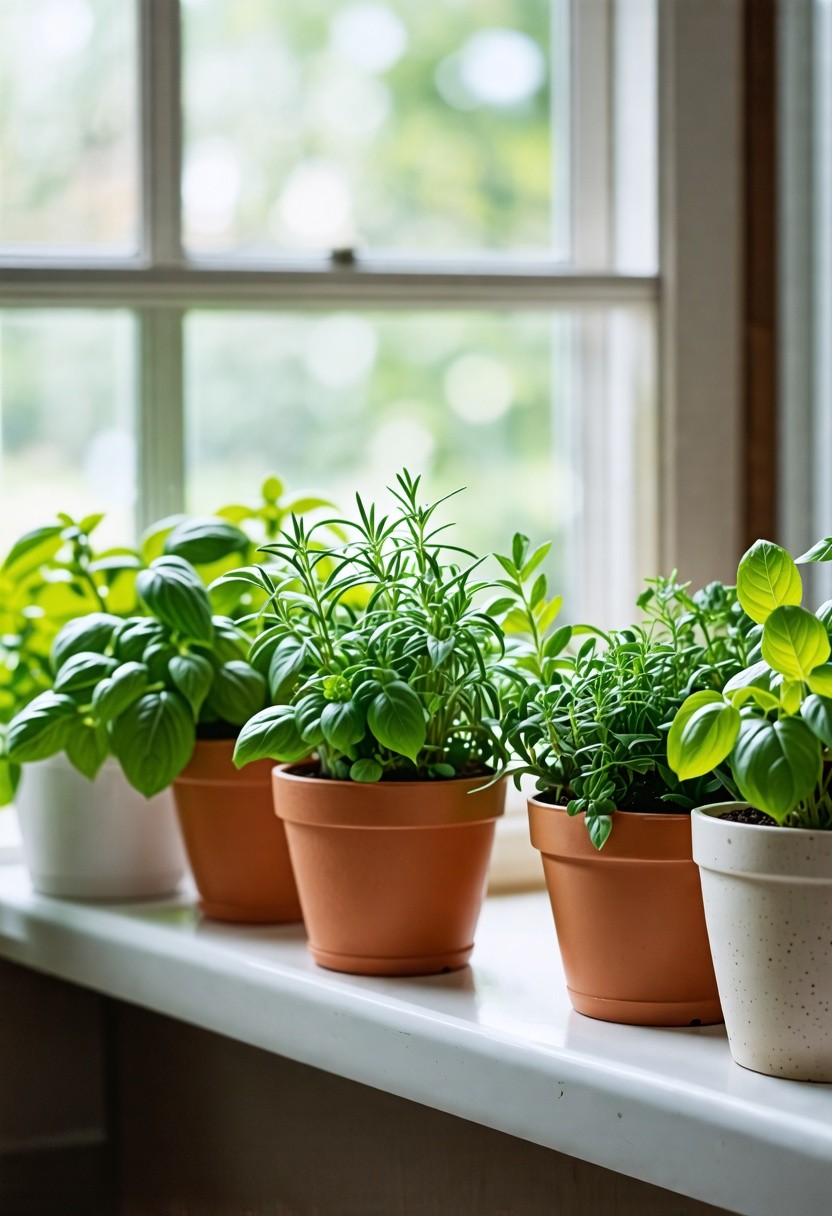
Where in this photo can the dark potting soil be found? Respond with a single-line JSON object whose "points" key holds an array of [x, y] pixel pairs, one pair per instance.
{"points": [[748, 814]]}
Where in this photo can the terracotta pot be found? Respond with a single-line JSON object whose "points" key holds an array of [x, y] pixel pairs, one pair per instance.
{"points": [[236, 846], [391, 876], [629, 917], [768, 903], [96, 839]]}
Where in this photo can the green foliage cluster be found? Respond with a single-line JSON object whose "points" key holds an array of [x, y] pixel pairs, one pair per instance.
{"points": [[139, 687], [593, 729], [771, 724], [376, 654]]}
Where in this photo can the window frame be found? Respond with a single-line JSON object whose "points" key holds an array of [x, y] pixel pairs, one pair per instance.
{"points": [[695, 291]]}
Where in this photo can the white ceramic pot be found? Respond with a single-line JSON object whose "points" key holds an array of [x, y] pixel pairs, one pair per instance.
{"points": [[96, 839], [768, 907]]}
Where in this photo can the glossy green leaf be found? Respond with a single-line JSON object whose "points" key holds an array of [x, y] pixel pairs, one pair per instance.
{"points": [[42, 728], [9, 780], [821, 551], [776, 764], [599, 827], [439, 649], [767, 578], [285, 664], [794, 642], [91, 632], [272, 489], [153, 740], [308, 713], [766, 700], [702, 735], [368, 771], [272, 734], [343, 724], [237, 693], [534, 561], [87, 748], [193, 675], [83, 671], [152, 544], [200, 541], [817, 713], [33, 549], [135, 635], [174, 593], [791, 695], [397, 719], [820, 680], [114, 695]]}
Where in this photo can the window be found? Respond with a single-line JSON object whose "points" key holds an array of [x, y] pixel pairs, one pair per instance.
{"points": [[338, 237]]}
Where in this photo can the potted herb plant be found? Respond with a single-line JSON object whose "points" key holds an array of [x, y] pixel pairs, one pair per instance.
{"points": [[163, 694], [611, 820], [385, 669], [765, 858]]}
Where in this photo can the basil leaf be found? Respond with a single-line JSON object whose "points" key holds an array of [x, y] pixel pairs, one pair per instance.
{"points": [[343, 724], [817, 713], [153, 740], [397, 720], [794, 642], [33, 549], [702, 735], [767, 578], [272, 734], [42, 728], [776, 764], [366, 770], [174, 593], [135, 635], [193, 675], [202, 541], [94, 632], [238, 692], [87, 748], [124, 686], [83, 671]]}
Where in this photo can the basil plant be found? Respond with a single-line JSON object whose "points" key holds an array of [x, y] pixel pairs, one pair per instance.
{"points": [[770, 727], [142, 688], [592, 729], [377, 655]]}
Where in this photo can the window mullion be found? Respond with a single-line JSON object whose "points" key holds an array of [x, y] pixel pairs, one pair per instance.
{"points": [[161, 440], [161, 131]]}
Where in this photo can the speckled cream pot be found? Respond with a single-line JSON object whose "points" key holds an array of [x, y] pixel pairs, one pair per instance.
{"points": [[768, 907]]}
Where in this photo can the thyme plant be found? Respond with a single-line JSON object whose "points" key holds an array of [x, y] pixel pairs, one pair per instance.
{"points": [[594, 730]]}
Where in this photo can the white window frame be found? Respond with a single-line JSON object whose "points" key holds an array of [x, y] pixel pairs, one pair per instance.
{"points": [[697, 292]]}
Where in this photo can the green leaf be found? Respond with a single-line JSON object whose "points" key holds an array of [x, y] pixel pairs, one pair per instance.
{"points": [[515, 622], [366, 770], [758, 676], [550, 613], [9, 780], [272, 489], [286, 662], [794, 642], [397, 720], [555, 644], [702, 735], [824, 614], [83, 671], [124, 686], [343, 724], [820, 680], [201, 541], [819, 552], [308, 716], [226, 591], [599, 827], [535, 560], [776, 764], [87, 748], [174, 593], [134, 637], [91, 632], [499, 606], [817, 713], [271, 735], [42, 728], [193, 675], [238, 692], [152, 544], [153, 740], [767, 578], [439, 649], [299, 506], [33, 549], [760, 696], [791, 695], [519, 547]]}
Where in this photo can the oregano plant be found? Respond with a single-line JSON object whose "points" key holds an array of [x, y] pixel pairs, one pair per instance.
{"points": [[769, 730]]}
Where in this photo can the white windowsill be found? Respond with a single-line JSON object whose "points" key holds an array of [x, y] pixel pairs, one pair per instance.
{"points": [[496, 1043]]}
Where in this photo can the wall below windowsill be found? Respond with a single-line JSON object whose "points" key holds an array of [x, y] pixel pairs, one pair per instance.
{"points": [[496, 1043]]}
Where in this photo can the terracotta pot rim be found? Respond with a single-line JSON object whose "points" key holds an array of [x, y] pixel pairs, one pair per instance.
{"points": [[637, 837], [641, 816], [284, 773]]}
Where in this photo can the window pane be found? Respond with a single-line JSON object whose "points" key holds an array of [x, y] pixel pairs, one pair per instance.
{"points": [[378, 123], [489, 401], [66, 420], [68, 117]]}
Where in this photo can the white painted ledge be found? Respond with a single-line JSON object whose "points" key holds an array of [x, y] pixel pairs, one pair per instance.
{"points": [[496, 1043]]}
